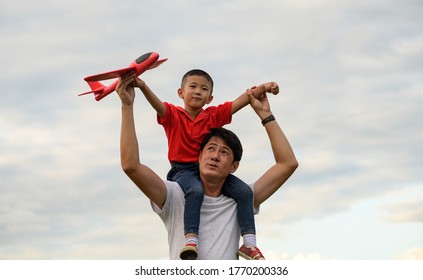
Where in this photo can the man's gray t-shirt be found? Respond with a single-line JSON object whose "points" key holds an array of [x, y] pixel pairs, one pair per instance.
{"points": [[219, 233]]}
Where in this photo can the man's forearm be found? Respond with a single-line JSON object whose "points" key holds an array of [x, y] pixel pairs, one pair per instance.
{"points": [[143, 177], [281, 148], [284, 167], [129, 152]]}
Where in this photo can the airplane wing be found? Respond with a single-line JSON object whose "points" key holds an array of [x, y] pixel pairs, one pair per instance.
{"points": [[109, 75]]}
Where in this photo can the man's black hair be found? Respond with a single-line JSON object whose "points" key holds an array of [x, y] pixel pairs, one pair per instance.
{"points": [[228, 137]]}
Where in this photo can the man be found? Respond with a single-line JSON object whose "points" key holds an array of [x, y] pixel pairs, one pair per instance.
{"points": [[219, 229]]}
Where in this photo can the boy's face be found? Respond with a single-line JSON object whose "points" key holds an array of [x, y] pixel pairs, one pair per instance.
{"points": [[196, 92]]}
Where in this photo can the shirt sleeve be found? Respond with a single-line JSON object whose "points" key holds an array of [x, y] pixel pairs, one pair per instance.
{"points": [[165, 208], [174, 199], [167, 118], [223, 114]]}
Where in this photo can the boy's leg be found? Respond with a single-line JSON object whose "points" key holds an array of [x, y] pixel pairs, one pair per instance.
{"points": [[243, 195], [186, 175]]}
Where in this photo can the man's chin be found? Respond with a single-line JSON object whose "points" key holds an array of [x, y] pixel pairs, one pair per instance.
{"points": [[210, 172]]}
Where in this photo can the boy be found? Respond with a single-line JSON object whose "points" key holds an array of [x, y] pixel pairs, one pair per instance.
{"points": [[185, 129]]}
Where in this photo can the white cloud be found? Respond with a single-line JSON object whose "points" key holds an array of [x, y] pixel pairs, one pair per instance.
{"points": [[405, 211], [403, 205]]}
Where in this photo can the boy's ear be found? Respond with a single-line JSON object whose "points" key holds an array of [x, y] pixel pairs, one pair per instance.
{"points": [[209, 99], [180, 93]]}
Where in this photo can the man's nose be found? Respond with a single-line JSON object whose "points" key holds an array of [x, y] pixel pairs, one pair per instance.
{"points": [[215, 156]]}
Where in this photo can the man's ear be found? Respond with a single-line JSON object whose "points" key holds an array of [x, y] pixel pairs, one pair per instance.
{"points": [[235, 166]]}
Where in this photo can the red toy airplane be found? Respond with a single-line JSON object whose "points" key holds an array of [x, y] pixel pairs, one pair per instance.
{"points": [[140, 65]]}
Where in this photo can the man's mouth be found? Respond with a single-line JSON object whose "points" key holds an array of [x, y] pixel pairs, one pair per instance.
{"points": [[212, 165]]}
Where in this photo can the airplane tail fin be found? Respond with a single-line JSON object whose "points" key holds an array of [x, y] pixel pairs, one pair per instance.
{"points": [[96, 88]]}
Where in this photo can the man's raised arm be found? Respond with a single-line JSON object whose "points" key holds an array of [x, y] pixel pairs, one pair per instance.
{"points": [[145, 178], [285, 161]]}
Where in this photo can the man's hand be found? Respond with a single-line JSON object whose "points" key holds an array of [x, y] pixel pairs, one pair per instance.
{"points": [[260, 105], [125, 89]]}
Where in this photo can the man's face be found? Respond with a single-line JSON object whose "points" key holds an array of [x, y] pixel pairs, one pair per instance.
{"points": [[216, 160]]}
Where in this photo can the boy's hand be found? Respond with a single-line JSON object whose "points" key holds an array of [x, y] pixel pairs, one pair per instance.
{"points": [[138, 83], [271, 87]]}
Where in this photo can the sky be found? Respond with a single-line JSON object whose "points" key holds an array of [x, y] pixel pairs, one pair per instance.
{"points": [[350, 103]]}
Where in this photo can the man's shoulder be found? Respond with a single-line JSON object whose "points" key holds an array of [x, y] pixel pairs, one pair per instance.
{"points": [[170, 185], [174, 193]]}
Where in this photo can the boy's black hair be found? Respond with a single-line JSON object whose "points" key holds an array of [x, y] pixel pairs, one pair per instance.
{"points": [[197, 72], [230, 139]]}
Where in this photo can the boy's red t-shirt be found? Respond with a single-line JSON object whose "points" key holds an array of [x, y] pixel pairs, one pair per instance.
{"points": [[185, 135]]}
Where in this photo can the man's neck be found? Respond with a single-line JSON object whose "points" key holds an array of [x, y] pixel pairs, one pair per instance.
{"points": [[212, 188]]}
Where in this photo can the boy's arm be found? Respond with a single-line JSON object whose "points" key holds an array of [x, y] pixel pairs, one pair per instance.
{"points": [[243, 100], [143, 177], [151, 97]]}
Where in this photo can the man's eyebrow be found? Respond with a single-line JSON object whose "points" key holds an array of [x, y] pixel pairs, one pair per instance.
{"points": [[215, 144]]}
